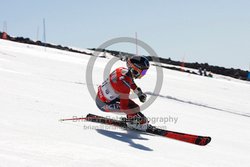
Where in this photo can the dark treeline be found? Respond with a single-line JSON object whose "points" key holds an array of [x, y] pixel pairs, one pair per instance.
{"points": [[39, 43], [231, 72]]}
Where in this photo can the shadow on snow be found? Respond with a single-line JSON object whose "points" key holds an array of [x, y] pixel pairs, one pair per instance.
{"points": [[126, 137]]}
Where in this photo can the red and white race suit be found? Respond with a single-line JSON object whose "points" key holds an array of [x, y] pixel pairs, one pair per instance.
{"points": [[117, 85]]}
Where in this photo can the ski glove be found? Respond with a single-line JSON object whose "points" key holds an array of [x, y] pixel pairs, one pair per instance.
{"points": [[142, 96]]}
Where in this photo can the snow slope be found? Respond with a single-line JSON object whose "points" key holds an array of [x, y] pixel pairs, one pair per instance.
{"points": [[38, 86]]}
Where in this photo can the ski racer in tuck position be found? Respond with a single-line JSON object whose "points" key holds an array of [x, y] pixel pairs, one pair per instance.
{"points": [[113, 94]]}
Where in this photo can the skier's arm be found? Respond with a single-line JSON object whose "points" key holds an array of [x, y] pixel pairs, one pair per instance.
{"points": [[142, 96]]}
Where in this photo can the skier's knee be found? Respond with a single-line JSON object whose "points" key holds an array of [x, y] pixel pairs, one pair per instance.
{"points": [[101, 105]]}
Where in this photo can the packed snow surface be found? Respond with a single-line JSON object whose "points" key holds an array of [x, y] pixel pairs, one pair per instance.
{"points": [[39, 86]]}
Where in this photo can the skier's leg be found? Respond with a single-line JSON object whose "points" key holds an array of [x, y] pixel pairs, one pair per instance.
{"points": [[136, 120], [113, 106], [100, 104]]}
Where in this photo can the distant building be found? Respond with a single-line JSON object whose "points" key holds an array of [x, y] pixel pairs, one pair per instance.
{"points": [[248, 77], [4, 35]]}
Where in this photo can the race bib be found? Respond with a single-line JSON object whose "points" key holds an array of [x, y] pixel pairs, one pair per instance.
{"points": [[108, 90]]}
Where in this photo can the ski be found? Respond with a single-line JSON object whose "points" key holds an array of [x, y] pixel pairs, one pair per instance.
{"points": [[189, 138]]}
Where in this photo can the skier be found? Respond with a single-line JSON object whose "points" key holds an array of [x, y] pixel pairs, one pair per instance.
{"points": [[113, 94]]}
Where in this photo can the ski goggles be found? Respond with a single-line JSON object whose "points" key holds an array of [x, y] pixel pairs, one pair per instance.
{"points": [[143, 72], [138, 73]]}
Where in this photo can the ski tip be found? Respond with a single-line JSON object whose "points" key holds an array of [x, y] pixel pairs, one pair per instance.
{"points": [[205, 141], [209, 139]]}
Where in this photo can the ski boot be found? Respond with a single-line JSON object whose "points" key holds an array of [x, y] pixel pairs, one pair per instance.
{"points": [[137, 121]]}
